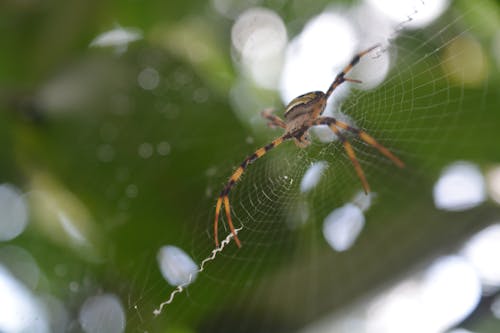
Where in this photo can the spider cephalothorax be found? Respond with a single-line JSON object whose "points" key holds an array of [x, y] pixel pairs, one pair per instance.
{"points": [[302, 113]]}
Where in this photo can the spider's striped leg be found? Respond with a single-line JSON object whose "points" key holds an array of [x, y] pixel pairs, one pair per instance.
{"points": [[340, 78], [371, 141], [352, 157], [274, 121], [224, 195], [332, 122]]}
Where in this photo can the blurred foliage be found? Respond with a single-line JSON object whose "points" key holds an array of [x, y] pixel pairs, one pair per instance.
{"points": [[83, 151]]}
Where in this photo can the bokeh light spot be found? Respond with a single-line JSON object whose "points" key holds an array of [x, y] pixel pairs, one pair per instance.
{"points": [[103, 313], [145, 150], [483, 252], [19, 310], [148, 78], [445, 294], [74, 286], [13, 212], [118, 37], [461, 186], [259, 36], [342, 226], [416, 13], [176, 266], [105, 153], [493, 183], [131, 191], [312, 176], [464, 62], [163, 148], [21, 264], [364, 201], [231, 8], [451, 291]]}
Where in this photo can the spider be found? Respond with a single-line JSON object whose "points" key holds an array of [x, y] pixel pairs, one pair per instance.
{"points": [[302, 113]]}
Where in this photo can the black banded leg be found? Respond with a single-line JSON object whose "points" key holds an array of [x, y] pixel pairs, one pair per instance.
{"points": [[274, 121], [224, 195], [352, 157], [363, 136], [371, 141], [340, 78]]}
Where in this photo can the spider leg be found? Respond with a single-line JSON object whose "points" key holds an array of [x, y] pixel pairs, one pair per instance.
{"points": [[216, 223], [340, 78], [363, 136], [371, 141], [352, 80], [352, 157], [274, 121], [224, 195]]}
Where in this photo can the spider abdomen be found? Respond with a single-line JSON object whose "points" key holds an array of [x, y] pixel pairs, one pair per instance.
{"points": [[301, 113], [304, 104]]}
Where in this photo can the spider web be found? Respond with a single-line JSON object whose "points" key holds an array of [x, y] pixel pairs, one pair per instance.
{"points": [[286, 275]]}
